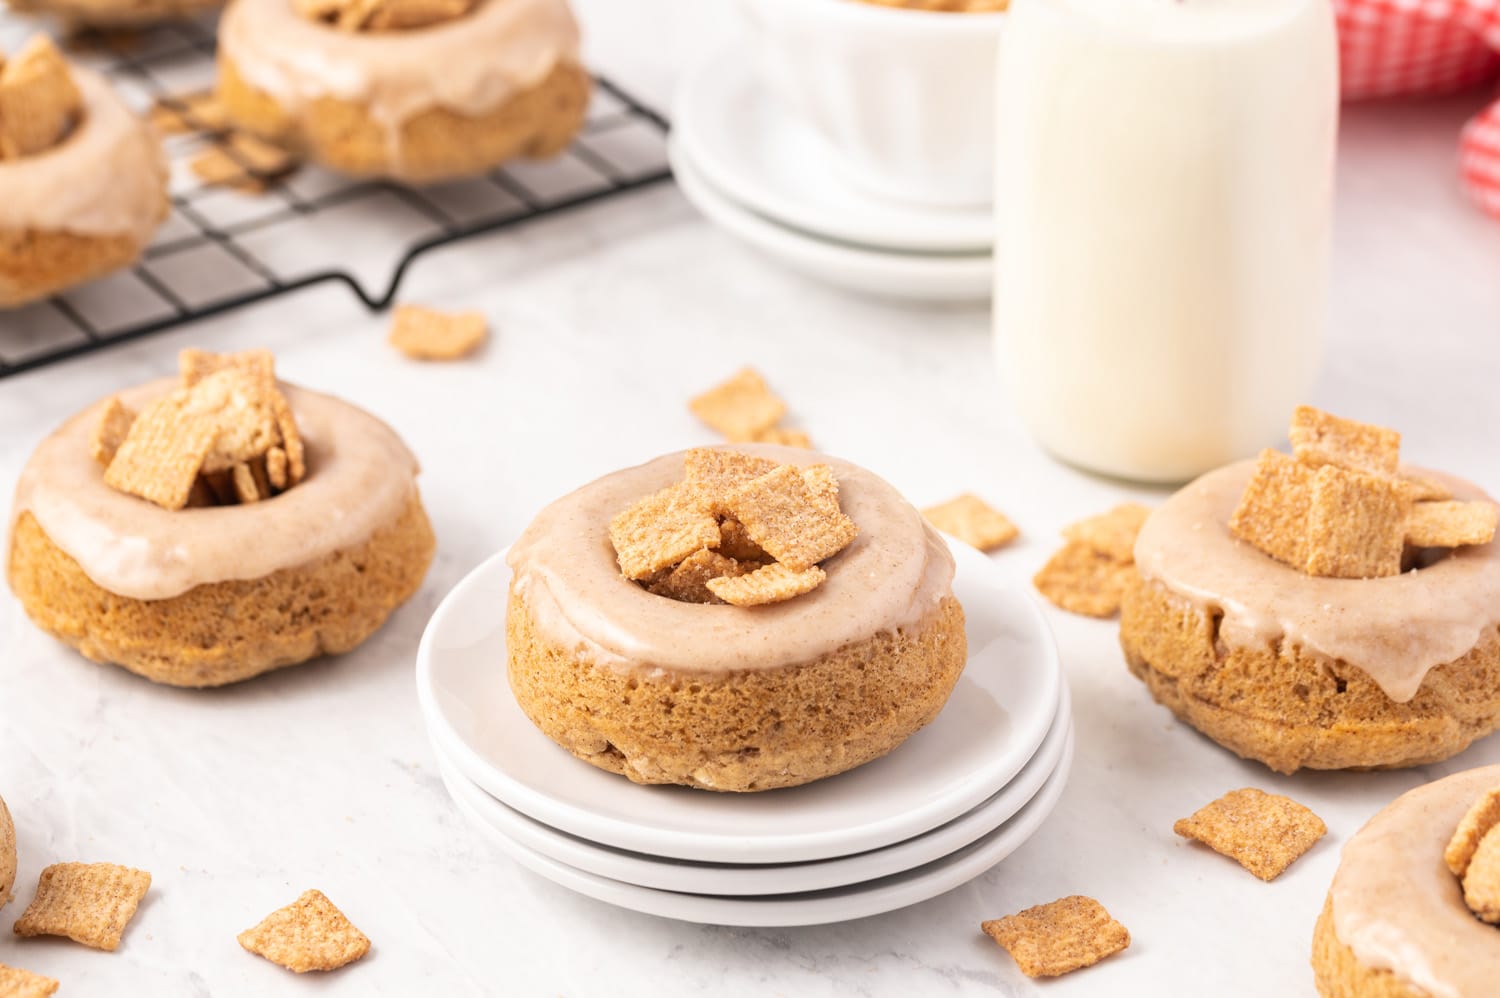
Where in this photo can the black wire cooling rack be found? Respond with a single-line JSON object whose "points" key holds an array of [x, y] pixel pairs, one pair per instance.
{"points": [[222, 249]]}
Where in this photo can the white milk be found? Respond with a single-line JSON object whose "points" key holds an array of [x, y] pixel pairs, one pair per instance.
{"points": [[1163, 198]]}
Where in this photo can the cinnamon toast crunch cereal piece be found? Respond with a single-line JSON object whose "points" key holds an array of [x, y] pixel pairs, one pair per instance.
{"points": [[291, 439], [794, 514], [427, 334], [1452, 524], [1482, 816], [161, 456], [308, 934], [276, 468], [1264, 833], [1356, 524], [194, 365], [400, 15], [1083, 580], [265, 160], [39, 102], [1319, 438], [688, 582], [783, 437], [1273, 511], [18, 983], [735, 542], [739, 408], [1060, 937], [238, 404], [715, 472], [973, 521], [1481, 881], [1111, 534], [89, 903], [661, 530], [113, 428], [1425, 489], [216, 168], [773, 583]]}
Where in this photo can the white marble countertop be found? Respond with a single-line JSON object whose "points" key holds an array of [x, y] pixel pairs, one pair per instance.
{"points": [[236, 800]]}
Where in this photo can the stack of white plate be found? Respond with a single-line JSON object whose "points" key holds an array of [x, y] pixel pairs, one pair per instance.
{"points": [[759, 172], [951, 802]]}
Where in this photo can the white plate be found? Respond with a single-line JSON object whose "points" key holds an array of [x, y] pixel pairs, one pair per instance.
{"points": [[745, 880], [815, 908], [1001, 708], [760, 153], [889, 274]]}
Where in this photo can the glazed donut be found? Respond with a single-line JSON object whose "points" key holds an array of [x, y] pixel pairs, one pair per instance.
{"points": [[1395, 924], [116, 14], [441, 102], [1300, 671], [208, 596], [725, 697], [84, 208]]}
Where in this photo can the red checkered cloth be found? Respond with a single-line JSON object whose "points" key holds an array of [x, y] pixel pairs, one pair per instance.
{"points": [[1390, 47]]}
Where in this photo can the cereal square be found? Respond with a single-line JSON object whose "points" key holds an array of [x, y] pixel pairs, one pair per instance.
{"points": [[1264, 833], [793, 513], [427, 334], [1273, 511], [1111, 534], [160, 458], [1319, 438], [1060, 937], [735, 542], [39, 102], [1481, 880], [1080, 579], [973, 521], [739, 408], [784, 437], [110, 433], [1425, 488], [688, 582], [661, 530], [89, 903], [1483, 815], [194, 365], [18, 983], [1356, 524], [715, 472], [308, 934], [1451, 524], [772, 583]]}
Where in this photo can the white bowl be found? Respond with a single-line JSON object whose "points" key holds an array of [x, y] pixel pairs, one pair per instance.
{"points": [[906, 97]]}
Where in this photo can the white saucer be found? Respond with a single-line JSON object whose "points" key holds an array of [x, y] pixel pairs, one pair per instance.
{"points": [[814, 908], [889, 274], [762, 155], [747, 880], [999, 712]]}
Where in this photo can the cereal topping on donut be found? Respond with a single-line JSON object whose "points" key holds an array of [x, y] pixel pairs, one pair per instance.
{"points": [[226, 436], [1341, 506], [1474, 857], [745, 410], [739, 529], [383, 15], [39, 102]]}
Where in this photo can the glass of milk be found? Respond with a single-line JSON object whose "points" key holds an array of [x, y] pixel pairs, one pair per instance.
{"points": [[1163, 199]]}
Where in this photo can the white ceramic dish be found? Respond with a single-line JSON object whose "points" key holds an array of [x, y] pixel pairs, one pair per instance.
{"points": [[814, 908], [999, 712], [751, 880], [914, 276], [756, 152], [906, 96]]}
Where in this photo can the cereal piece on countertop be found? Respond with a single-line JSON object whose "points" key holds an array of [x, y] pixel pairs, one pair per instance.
{"points": [[1264, 833], [1060, 937]]}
